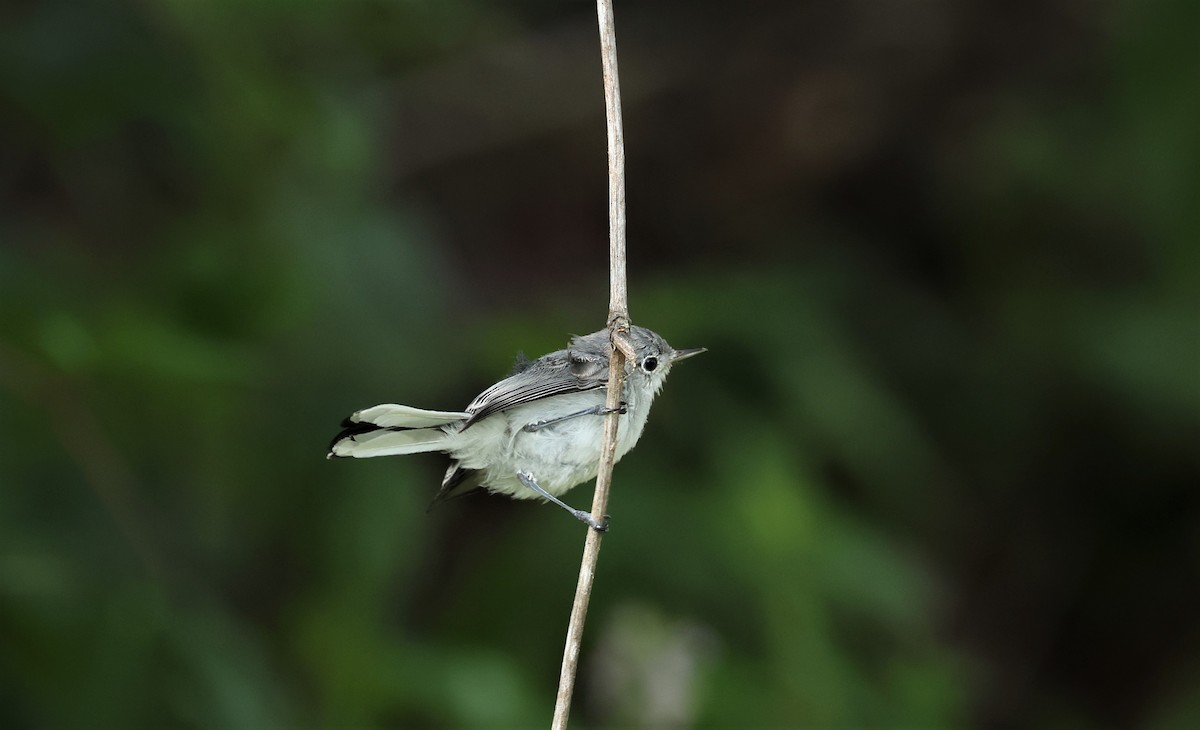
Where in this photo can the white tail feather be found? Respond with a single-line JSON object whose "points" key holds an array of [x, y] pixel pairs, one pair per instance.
{"points": [[389, 443], [393, 415]]}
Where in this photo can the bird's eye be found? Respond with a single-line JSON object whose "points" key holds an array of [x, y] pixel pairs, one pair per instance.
{"points": [[649, 364]]}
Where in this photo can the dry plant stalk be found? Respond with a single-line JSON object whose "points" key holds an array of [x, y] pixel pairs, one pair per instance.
{"points": [[618, 325]]}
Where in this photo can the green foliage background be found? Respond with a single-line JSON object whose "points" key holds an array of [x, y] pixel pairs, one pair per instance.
{"points": [[938, 469]]}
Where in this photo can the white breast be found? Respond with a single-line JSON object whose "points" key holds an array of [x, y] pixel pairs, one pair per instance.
{"points": [[560, 456]]}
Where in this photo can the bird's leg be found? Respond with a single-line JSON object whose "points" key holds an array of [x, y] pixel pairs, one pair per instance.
{"points": [[593, 411], [598, 525]]}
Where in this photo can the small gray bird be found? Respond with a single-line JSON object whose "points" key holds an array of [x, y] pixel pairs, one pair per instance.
{"points": [[537, 433]]}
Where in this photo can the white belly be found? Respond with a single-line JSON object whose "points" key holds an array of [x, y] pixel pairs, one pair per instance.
{"points": [[559, 456]]}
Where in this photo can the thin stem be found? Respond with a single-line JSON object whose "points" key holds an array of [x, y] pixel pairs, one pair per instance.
{"points": [[618, 324]]}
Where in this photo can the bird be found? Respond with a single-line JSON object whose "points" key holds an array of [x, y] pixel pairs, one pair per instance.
{"points": [[536, 433]]}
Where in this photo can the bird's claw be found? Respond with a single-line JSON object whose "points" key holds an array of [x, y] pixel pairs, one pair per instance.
{"points": [[600, 525]]}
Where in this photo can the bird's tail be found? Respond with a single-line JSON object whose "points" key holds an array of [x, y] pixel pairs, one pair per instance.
{"points": [[390, 429]]}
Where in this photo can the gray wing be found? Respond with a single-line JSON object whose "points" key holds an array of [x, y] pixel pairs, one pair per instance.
{"points": [[565, 371]]}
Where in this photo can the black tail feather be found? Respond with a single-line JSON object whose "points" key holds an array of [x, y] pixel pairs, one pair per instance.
{"points": [[458, 483], [352, 428]]}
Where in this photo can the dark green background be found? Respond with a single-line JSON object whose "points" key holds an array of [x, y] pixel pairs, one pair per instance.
{"points": [[938, 470]]}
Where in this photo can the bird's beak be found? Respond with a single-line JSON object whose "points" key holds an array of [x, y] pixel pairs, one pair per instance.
{"points": [[685, 354]]}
